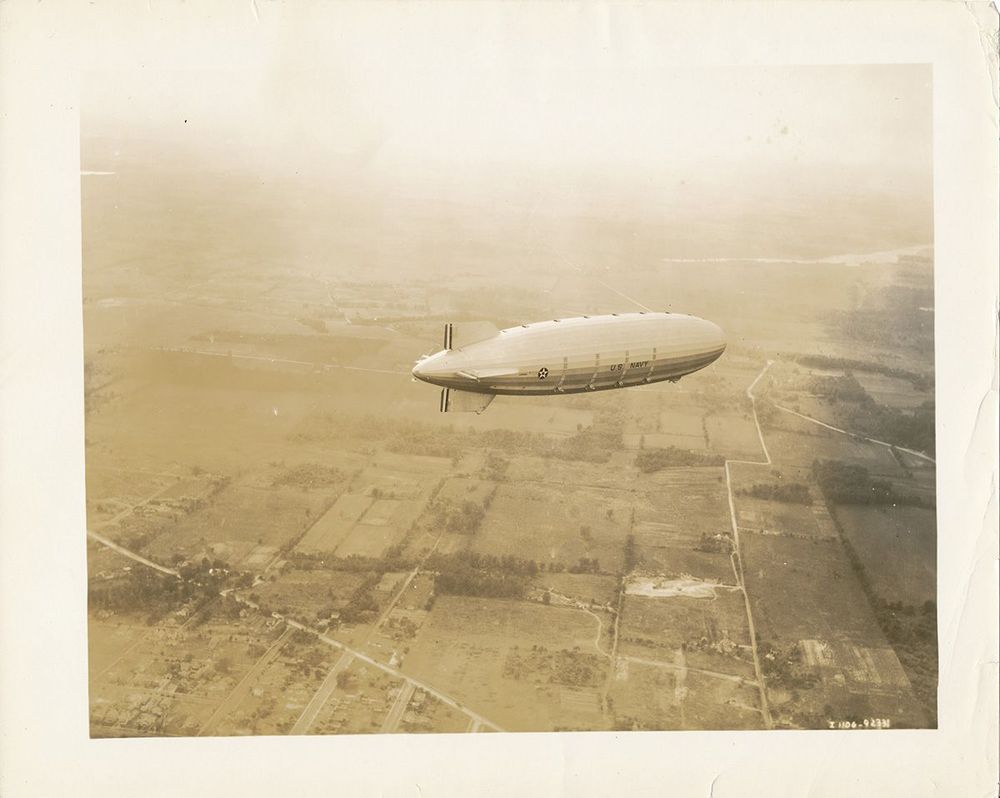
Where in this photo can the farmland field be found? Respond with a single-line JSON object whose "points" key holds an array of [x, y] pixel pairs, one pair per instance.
{"points": [[546, 525], [336, 523], [240, 518], [466, 644], [712, 632], [898, 548], [806, 589], [288, 536]]}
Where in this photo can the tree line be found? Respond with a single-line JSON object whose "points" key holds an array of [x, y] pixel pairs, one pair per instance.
{"points": [[787, 492], [650, 460], [845, 483]]}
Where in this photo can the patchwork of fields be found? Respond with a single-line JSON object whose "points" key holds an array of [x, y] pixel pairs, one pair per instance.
{"points": [[336, 557]]}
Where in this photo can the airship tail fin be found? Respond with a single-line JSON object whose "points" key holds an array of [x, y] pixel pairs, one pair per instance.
{"points": [[454, 400], [467, 332]]}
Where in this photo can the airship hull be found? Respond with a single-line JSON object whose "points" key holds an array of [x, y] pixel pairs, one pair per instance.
{"points": [[576, 355]]}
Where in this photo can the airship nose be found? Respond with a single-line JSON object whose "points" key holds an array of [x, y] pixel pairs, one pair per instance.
{"points": [[715, 334], [430, 368]]}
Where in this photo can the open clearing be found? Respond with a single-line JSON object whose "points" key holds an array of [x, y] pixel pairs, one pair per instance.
{"points": [[712, 632], [806, 589], [547, 525], [239, 518], [897, 547], [465, 644], [335, 524]]}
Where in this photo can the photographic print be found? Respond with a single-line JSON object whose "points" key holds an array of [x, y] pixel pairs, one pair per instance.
{"points": [[437, 395]]}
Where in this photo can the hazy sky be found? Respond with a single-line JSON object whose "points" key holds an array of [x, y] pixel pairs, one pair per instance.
{"points": [[427, 113]]}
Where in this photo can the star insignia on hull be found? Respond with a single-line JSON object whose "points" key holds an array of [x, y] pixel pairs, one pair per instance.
{"points": [[543, 373]]}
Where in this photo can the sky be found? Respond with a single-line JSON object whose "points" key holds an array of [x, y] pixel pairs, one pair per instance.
{"points": [[555, 114], [440, 118]]}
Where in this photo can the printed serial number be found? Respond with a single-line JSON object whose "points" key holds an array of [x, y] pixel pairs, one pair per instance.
{"points": [[867, 723]]}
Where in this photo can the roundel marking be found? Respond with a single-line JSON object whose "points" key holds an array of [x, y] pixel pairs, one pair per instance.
{"points": [[543, 373]]}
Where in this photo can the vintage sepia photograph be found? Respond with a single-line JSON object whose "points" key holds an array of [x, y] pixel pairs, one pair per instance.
{"points": [[441, 398], [510, 399]]}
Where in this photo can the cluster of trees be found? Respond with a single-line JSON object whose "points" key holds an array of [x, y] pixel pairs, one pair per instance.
{"points": [[567, 667], [463, 517], [306, 476], [788, 492], [392, 560], [844, 388], [468, 573], [853, 484], [362, 605], [913, 430], [921, 382], [586, 565], [783, 667], [495, 468], [714, 544], [143, 590], [650, 460], [846, 483], [912, 632], [631, 556], [591, 444]]}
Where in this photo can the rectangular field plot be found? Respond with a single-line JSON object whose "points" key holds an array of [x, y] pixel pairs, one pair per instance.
{"points": [[844, 663], [682, 426], [601, 590], [549, 525], [685, 502], [897, 547], [551, 418], [304, 593], [563, 474], [237, 520], [335, 524], [523, 665], [682, 420], [778, 518], [368, 540], [801, 589], [661, 550], [732, 434], [383, 525], [712, 632]]}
